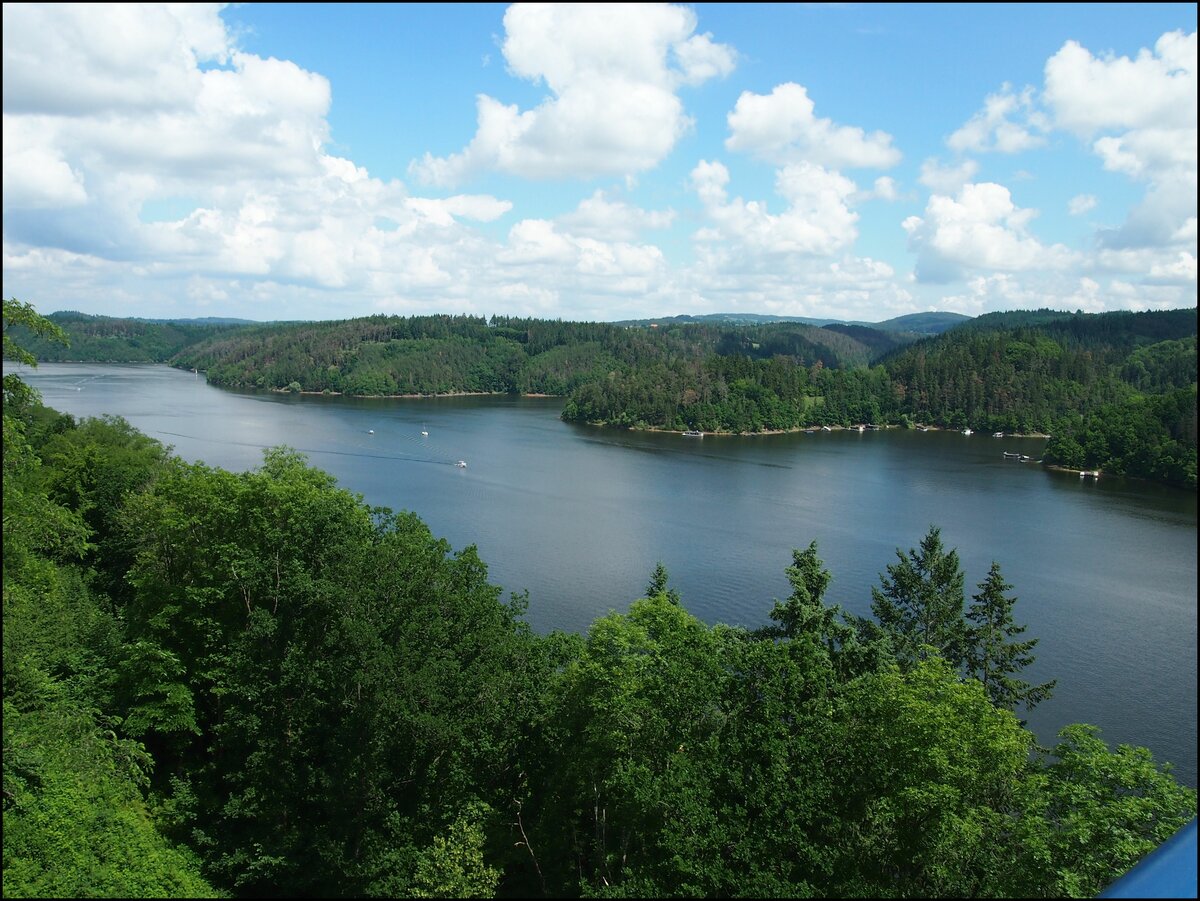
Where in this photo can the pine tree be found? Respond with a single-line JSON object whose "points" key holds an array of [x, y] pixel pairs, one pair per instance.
{"points": [[920, 602], [991, 655], [804, 610], [658, 584]]}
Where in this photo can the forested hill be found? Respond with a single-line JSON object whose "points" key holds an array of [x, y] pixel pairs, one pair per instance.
{"points": [[240, 353], [447, 354], [932, 323], [1116, 390], [104, 339], [1025, 371]]}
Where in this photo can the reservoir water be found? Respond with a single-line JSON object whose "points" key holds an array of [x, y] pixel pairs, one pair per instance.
{"points": [[1105, 570]]}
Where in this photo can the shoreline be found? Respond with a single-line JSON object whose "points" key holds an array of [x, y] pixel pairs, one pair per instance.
{"points": [[804, 429], [397, 396]]}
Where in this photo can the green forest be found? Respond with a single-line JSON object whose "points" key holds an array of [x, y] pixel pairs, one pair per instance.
{"points": [[256, 684], [1116, 392]]}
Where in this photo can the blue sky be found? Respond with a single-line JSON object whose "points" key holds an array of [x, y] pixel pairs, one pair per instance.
{"points": [[856, 161]]}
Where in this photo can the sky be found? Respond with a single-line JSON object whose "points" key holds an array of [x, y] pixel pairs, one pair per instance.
{"points": [[598, 162]]}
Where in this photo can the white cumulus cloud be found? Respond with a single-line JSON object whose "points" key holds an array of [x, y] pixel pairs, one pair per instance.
{"points": [[614, 220], [1140, 116], [1156, 89], [817, 220], [993, 128], [979, 229], [612, 70], [781, 127]]}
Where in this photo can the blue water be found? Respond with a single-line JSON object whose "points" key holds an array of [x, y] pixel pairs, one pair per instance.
{"points": [[1105, 571]]}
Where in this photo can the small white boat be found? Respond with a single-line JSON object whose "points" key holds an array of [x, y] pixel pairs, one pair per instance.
{"points": [[968, 432], [826, 428], [997, 434], [461, 464], [370, 431], [693, 433], [424, 431], [862, 428]]}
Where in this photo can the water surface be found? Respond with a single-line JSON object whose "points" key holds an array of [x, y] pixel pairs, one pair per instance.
{"points": [[1105, 571]]}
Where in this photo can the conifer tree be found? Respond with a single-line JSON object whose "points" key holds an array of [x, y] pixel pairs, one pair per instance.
{"points": [[658, 584], [805, 609], [991, 655], [920, 602]]}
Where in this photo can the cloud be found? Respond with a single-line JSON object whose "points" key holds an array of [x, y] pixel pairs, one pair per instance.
{"points": [[151, 165], [252, 214], [612, 71], [817, 221], [600, 273], [35, 173], [244, 143], [127, 127], [107, 58], [1081, 203], [1059, 291], [795, 262], [946, 179], [781, 128], [1087, 94], [1180, 271], [992, 128], [1140, 117], [612, 220], [480, 207], [981, 228], [1151, 266], [885, 188]]}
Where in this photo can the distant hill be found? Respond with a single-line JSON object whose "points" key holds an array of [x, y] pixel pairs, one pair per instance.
{"points": [[881, 341], [74, 315], [207, 320], [932, 323], [722, 319], [103, 339]]}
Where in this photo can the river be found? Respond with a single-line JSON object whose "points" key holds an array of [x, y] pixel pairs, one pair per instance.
{"points": [[1105, 570]]}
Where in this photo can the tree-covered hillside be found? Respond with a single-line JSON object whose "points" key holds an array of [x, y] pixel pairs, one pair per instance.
{"points": [[103, 339], [1116, 390], [449, 354]]}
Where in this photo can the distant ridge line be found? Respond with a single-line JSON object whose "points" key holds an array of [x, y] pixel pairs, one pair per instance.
{"points": [[931, 323]]}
